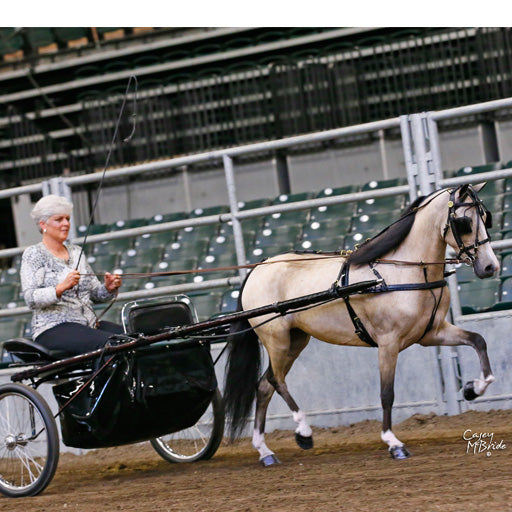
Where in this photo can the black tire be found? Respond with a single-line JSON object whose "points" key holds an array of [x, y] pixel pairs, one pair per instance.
{"points": [[29, 441], [199, 442]]}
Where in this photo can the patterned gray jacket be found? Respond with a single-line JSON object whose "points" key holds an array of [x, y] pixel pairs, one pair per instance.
{"points": [[40, 273]]}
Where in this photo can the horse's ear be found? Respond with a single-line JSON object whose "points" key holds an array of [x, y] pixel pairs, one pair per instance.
{"points": [[479, 186], [463, 192]]}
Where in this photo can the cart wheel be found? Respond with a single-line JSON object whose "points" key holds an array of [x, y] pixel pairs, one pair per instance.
{"points": [[29, 441], [197, 442]]}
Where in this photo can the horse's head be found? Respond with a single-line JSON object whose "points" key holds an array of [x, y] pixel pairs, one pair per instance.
{"points": [[466, 229]]}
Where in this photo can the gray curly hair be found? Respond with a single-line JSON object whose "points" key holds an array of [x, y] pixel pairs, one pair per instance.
{"points": [[50, 205]]}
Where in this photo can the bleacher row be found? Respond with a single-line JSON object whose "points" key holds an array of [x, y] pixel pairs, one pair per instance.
{"points": [[211, 246]]}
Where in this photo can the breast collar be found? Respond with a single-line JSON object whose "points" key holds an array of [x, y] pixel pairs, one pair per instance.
{"points": [[360, 329]]}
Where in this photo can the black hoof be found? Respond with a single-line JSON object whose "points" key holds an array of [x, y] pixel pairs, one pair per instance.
{"points": [[269, 460], [469, 391], [399, 452], [305, 442]]}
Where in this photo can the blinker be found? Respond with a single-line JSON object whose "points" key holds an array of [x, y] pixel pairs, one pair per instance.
{"points": [[463, 225]]}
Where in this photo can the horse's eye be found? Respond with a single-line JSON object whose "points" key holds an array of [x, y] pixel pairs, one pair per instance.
{"points": [[463, 225]]}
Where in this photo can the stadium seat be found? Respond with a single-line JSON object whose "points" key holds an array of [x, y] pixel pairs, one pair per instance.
{"points": [[10, 275], [229, 300], [325, 244], [206, 304], [333, 211], [94, 229], [204, 232], [506, 265], [292, 198], [391, 205], [128, 224], [103, 262], [112, 246], [339, 191], [186, 249], [277, 236], [477, 169], [377, 184], [149, 240], [10, 328], [211, 210], [8, 293], [464, 273], [41, 39], [372, 223], [136, 258], [284, 218], [159, 218], [479, 296], [73, 37], [326, 228], [258, 254]]}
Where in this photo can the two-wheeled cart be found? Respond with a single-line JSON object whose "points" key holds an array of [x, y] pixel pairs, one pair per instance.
{"points": [[156, 383]]}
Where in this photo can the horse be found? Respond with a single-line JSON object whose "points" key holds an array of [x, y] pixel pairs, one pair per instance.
{"points": [[408, 306]]}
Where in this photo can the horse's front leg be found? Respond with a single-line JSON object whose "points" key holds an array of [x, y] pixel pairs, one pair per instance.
{"points": [[451, 335], [387, 365]]}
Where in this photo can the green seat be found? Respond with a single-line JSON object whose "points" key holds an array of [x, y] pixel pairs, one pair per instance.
{"points": [[128, 224], [464, 273], [9, 293], [491, 189], [211, 210], [479, 296], [159, 218], [206, 304], [284, 218], [325, 244], [40, 36], [204, 232], [292, 198], [258, 254], [277, 236], [10, 275], [149, 240], [67, 34], [506, 292], [148, 256], [333, 211], [103, 262], [94, 229], [229, 300], [477, 169], [339, 191], [372, 223], [10, 328], [186, 249], [253, 204], [325, 228], [391, 204], [377, 184], [112, 246], [506, 265]]}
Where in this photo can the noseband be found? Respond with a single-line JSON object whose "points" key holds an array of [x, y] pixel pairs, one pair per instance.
{"points": [[461, 226]]}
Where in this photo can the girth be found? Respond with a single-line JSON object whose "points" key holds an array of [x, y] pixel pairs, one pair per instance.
{"points": [[360, 329]]}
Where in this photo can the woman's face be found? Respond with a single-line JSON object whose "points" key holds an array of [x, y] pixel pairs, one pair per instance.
{"points": [[57, 227]]}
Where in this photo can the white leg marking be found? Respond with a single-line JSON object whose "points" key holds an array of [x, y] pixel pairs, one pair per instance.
{"points": [[258, 441], [303, 427], [389, 438], [480, 385]]}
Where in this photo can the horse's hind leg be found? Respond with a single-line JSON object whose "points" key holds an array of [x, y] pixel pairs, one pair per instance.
{"points": [[273, 380]]}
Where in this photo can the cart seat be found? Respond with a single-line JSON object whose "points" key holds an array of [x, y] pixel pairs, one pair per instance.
{"points": [[29, 351]]}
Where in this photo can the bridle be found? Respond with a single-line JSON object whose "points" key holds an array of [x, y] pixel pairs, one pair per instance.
{"points": [[461, 226]]}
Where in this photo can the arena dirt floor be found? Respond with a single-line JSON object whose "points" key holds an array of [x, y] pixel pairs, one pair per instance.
{"points": [[348, 470]]}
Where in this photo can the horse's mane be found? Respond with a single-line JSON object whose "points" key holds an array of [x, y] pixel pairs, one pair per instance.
{"points": [[387, 239]]}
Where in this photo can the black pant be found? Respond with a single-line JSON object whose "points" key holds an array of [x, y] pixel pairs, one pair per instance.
{"points": [[74, 338]]}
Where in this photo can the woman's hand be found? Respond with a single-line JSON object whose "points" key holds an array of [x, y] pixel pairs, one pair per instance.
{"points": [[112, 282], [69, 282]]}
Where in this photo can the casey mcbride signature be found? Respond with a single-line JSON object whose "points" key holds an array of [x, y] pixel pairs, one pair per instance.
{"points": [[480, 442]]}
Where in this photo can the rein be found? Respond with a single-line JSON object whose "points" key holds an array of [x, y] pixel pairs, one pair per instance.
{"points": [[342, 254]]}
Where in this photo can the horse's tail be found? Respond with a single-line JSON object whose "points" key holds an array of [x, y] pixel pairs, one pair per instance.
{"points": [[242, 374]]}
